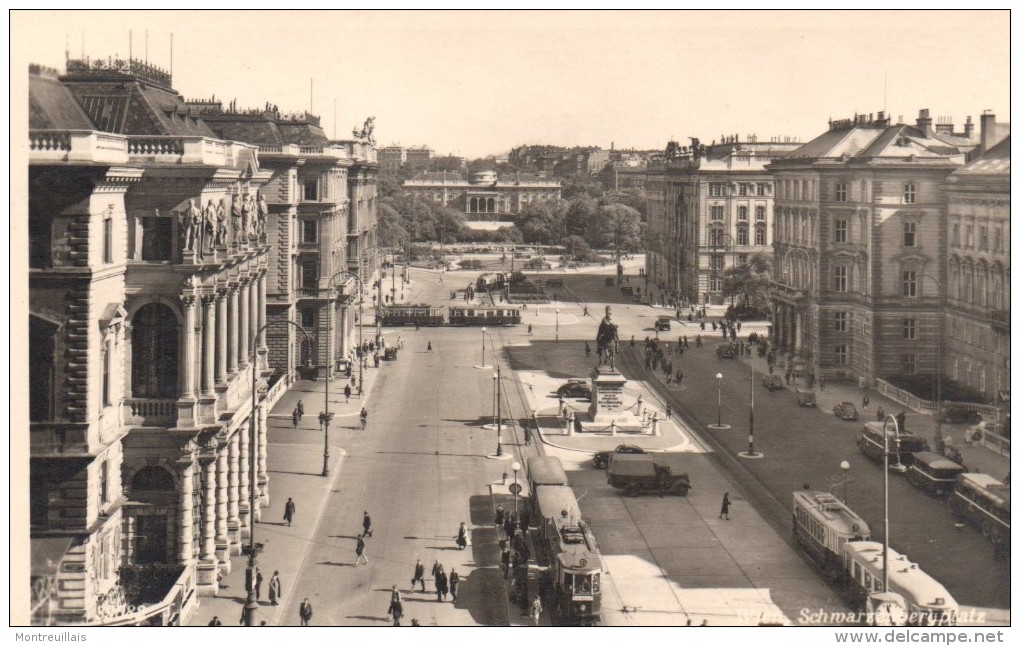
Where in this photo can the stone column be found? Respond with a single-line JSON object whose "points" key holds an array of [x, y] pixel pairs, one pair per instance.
{"points": [[253, 312], [244, 483], [209, 345], [232, 333], [207, 570], [187, 536], [221, 339], [263, 449], [243, 324], [222, 493], [233, 482], [188, 382]]}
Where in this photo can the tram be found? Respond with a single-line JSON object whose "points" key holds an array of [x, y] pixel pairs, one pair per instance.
{"points": [[413, 314], [984, 502], [822, 525], [928, 601], [482, 315], [430, 315], [575, 564], [492, 281]]}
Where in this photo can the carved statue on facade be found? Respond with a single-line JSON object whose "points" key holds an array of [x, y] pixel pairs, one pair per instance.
{"points": [[248, 215], [366, 131], [191, 223], [221, 223], [236, 216], [606, 341], [209, 225], [263, 215]]}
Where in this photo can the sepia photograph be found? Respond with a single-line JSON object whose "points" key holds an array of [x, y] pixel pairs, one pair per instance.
{"points": [[511, 318]]}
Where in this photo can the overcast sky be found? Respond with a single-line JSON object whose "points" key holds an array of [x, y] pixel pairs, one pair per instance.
{"points": [[478, 83]]}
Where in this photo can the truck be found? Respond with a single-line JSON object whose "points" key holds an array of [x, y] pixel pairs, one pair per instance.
{"points": [[660, 473]]}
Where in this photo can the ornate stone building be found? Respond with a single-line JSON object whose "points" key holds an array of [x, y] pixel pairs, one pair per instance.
{"points": [[709, 208], [860, 246], [484, 195]]}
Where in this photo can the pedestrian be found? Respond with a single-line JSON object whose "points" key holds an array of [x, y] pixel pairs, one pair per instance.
{"points": [[364, 418], [396, 609], [697, 341], [295, 416], [258, 586], [586, 311], [275, 588], [500, 517], [536, 611], [879, 414], [414, 622], [366, 524], [305, 612], [436, 567], [300, 409], [509, 525], [587, 350], [669, 410], [454, 582], [442, 587], [359, 549], [462, 537], [679, 377], [865, 401], [347, 393], [419, 575], [529, 329], [289, 509], [215, 621], [725, 509], [429, 349], [504, 560]]}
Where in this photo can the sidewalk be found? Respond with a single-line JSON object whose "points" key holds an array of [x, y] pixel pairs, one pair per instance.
{"points": [[295, 470], [500, 494], [976, 458]]}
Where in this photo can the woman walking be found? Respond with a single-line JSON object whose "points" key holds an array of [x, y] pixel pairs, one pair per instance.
{"points": [[454, 582], [462, 536]]}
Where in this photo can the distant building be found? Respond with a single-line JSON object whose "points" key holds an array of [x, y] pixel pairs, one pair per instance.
{"points": [[709, 209], [860, 246], [484, 195], [392, 157], [559, 161], [419, 154]]}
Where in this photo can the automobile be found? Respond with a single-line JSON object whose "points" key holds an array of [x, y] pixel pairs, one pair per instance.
{"points": [[805, 398], [574, 388], [846, 411], [726, 351], [660, 473], [772, 382], [554, 282], [960, 415], [662, 323], [601, 458]]}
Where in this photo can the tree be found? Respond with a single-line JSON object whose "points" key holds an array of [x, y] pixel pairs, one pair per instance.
{"points": [[542, 222], [390, 231], [581, 217], [576, 248], [617, 226], [635, 198], [749, 282], [581, 186]]}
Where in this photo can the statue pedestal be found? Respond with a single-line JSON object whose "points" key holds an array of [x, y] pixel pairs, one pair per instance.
{"points": [[606, 395]]}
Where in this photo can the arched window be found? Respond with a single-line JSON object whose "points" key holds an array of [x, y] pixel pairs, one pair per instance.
{"points": [[154, 352], [152, 478]]}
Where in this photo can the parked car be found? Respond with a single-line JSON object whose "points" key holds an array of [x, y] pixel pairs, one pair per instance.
{"points": [[662, 323], [846, 411], [601, 459], [805, 398], [574, 388], [772, 382], [726, 351], [960, 415]]}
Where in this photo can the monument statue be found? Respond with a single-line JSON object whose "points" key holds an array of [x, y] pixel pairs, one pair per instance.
{"points": [[236, 211], [365, 134], [606, 341], [248, 215], [263, 215], [192, 225], [209, 228]]}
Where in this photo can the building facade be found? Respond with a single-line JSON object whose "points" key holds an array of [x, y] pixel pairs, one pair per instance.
{"points": [[860, 247], [977, 297], [485, 195], [709, 209]]}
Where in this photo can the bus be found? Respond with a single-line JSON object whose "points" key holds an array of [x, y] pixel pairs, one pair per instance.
{"points": [[983, 502], [933, 473], [822, 525], [928, 601], [902, 445]]}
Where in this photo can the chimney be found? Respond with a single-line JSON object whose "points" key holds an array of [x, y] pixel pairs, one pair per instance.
{"points": [[924, 122], [968, 128], [987, 130]]}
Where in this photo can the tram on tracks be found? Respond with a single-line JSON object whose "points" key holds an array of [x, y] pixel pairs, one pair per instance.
{"points": [[822, 525], [421, 314], [492, 281], [575, 564], [460, 315], [484, 315], [928, 601], [984, 503]]}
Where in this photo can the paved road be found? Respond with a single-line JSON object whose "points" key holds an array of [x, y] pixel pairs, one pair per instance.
{"points": [[807, 446]]}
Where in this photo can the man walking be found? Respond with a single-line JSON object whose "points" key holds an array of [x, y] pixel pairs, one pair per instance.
{"points": [[347, 392], [865, 401], [289, 510], [295, 417], [725, 509], [300, 409], [258, 585], [364, 418], [529, 329], [419, 575], [305, 612], [454, 582], [396, 609], [275, 588], [429, 350], [366, 524], [441, 585], [359, 549]]}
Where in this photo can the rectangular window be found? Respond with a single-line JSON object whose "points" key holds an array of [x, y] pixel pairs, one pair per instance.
{"points": [[715, 284], [308, 319], [742, 188], [910, 234], [910, 329], [842, 355], [969, 240], [107, 383], [310, 274], [761, 190], [108, 240], [742, 236], [910, 283], [309, 231], [983, 238], [839, 321], [998, 240], [840, 282], [742, 259], [311, 190], [716, 212], [759, 213], [157, 238], [956, 235], [759, 236], [716, 262], [909, 361], [840, 192], [742, 213], [716, 189], [840, 230], [104, 482], [909, 194]]}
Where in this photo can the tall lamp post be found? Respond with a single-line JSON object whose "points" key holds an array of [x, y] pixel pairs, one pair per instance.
{"points": [[718, 380], [751, 453], [326, 417], [499, 411], [482, 364], [845, 466], [253, 549], [516, 466], [557, 325], [885, 494]]}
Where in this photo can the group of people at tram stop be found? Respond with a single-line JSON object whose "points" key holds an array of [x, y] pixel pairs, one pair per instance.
{"points": [[514, 557]]}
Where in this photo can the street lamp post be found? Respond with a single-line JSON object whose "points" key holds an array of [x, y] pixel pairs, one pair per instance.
{"points": [[845, 466], [718, 379], [482, 364], [885, 494], [326, 417], [499, 412], [750, 436], [253, 549], [516, 466], [557, 325]]}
